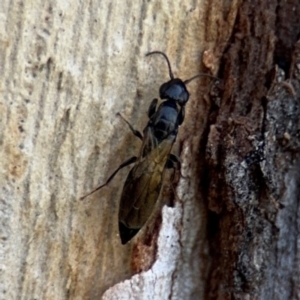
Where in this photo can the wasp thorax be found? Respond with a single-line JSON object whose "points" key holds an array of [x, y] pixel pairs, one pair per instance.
{"points": [[164, 122], [174, 90]]}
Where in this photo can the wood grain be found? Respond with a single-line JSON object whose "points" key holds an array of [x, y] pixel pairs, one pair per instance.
{"points": [[67, 68]]}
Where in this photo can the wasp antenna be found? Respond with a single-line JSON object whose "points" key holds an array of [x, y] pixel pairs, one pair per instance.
{"points": [[199, 75], [166, 57], [92, 192]]}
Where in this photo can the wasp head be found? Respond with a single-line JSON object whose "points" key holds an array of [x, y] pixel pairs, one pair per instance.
{"points": [[174, 89]]}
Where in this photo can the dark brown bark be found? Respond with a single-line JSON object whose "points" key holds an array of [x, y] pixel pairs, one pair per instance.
{"points": [[253, 158], [68, 67]]}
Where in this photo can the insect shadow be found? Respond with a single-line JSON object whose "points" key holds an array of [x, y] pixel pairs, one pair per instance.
{"points": [[144, 181]]}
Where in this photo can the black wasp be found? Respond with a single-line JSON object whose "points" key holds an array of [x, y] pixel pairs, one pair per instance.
{"points": [[143, 184]]}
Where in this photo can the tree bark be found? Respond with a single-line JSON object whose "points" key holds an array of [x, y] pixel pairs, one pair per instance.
{"points": [[252, 158], [67, 68]]}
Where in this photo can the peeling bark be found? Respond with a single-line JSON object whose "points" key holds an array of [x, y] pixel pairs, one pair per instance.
{"points": [[68, 68]]}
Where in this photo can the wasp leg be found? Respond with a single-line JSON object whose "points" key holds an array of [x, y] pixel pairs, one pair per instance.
{"points": [[181, 115], [128, 162], [134, 131], [152, 108], [172, 161]]}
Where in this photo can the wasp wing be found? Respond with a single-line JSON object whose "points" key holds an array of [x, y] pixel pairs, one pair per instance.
{"points": [[143, 184]]}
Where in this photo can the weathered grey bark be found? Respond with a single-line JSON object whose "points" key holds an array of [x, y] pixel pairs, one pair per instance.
{"points": [[68, 68]]}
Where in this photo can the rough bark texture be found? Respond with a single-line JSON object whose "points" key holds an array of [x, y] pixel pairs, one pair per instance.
{"points": [[68, 67], [253, 158]]}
